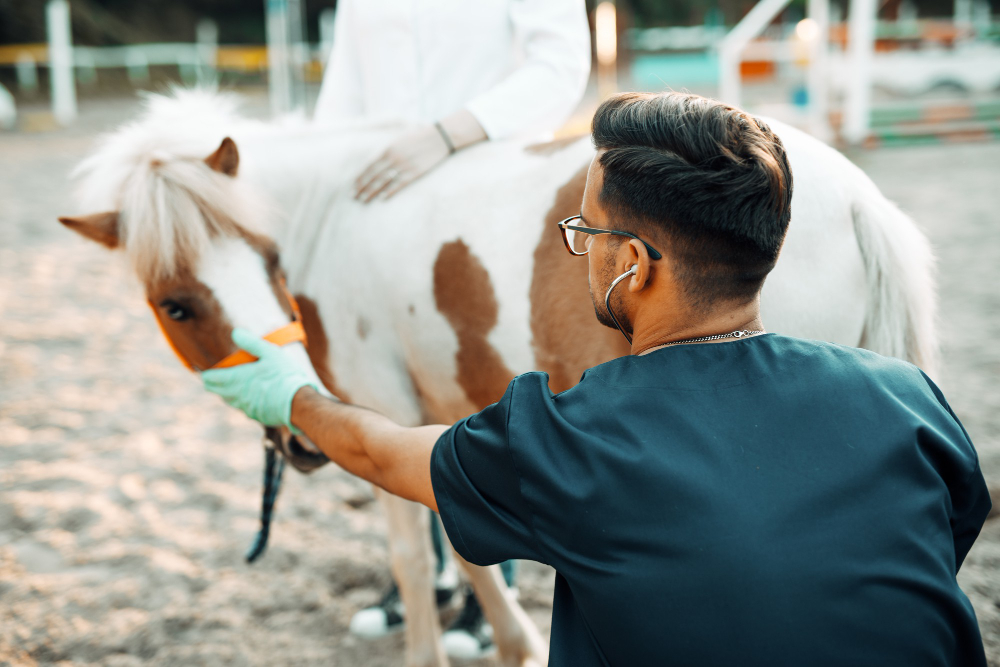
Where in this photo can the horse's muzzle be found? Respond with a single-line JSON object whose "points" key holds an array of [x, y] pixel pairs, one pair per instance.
{"points": [[302, 457]]}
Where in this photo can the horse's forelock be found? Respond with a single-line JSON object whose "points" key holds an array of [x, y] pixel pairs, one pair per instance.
{"points": [[172, 209], [152, 171]]}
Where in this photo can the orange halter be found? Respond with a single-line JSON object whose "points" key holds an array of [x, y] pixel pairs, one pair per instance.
{"points": [[293, 332]]}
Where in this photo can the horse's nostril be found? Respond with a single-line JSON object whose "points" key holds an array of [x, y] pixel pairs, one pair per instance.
{"points": [[291, 448]]}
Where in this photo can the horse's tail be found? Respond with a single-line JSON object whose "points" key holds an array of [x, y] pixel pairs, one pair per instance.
{"points": [[899, 264]]}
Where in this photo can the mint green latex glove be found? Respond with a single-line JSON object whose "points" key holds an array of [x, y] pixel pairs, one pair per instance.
{"points": [[264, 389]]}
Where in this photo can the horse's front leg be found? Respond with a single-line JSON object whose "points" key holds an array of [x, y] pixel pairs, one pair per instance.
{"points": [[413, 566], [518, 642]]}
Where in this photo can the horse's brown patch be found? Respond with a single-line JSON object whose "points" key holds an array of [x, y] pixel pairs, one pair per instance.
{"points": [[318, 346], [554, 146], [204, 339], [464, 294], [566, 336]]}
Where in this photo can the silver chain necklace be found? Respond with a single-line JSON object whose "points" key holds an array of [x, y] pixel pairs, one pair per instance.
{"points": [[743, 333], [733, 334]]}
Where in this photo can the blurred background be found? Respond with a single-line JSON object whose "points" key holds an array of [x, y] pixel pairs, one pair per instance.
{"points": [[919, 70], [127, 495]]}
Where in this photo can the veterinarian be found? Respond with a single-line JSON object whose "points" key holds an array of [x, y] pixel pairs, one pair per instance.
{"points": [[461, 72], [721, 496]]}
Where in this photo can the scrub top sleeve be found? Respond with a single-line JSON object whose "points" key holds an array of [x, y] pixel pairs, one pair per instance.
{"points": [[541, 93], [970, 498], [971, 505], [478, 489]]}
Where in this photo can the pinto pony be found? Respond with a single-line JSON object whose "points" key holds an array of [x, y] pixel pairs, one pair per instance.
{"points": [[423, 307]]}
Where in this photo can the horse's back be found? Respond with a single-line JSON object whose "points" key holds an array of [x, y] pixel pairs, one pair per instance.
{"points": [[818, 288], [845, 233]]}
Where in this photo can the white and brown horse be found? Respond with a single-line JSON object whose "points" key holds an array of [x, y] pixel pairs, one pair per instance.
{"points": [[425, 306]]}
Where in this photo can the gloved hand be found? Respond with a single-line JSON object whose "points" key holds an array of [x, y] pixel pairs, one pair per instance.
{"points": [[404, 161], [263, 389]]}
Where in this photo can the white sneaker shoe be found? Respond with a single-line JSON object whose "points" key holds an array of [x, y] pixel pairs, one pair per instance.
{"points": [[383, 619], [389, 616], [469, 637]]}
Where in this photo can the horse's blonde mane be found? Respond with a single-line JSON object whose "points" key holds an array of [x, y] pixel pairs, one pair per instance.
{"points": [[152, 171]]}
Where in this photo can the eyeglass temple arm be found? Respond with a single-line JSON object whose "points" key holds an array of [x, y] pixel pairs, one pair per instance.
{"points": [[653, 252]]}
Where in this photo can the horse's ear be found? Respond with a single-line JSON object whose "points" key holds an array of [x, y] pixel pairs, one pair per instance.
{"points": [[226, 159], [100, 227]]}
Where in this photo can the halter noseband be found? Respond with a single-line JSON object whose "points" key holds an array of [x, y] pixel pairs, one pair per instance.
{"points": [[293, 332]]}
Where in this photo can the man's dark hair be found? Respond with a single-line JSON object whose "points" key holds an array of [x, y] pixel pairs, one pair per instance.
{"points": [[710, 180]]}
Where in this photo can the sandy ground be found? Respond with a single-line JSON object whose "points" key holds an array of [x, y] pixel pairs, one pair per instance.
{"points": [[127, 495]]}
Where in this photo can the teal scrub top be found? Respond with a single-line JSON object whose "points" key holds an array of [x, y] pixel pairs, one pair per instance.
{"points": [[767, 501]]}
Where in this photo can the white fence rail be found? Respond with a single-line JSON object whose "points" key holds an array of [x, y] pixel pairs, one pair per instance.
{"points": [[732, 46]]}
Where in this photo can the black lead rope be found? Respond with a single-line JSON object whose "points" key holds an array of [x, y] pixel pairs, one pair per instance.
{"points": [[274, 466]]}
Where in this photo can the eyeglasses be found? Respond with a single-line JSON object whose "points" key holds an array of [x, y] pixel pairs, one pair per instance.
{"points": [[576, 237]]}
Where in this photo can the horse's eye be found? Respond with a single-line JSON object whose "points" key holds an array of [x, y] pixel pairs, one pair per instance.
{"points": [[176, 311]]}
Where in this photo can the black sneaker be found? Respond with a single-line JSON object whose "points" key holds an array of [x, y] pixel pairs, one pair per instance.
{"points": [[388, 616], [469, 636]]}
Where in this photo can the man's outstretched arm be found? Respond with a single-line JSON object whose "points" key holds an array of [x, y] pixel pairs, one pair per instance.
{"points": [[369, 445], [274, 391]]}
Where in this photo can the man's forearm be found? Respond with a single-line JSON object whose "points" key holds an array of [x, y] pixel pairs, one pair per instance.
{"points": [[369, 445]]}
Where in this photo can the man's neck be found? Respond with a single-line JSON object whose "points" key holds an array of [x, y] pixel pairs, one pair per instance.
{"points": [[674, 328]]}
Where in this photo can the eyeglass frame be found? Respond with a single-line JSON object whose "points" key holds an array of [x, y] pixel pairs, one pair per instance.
{"points": [[593, 231]]}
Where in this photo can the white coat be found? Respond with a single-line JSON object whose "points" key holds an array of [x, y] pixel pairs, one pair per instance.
{"points": [[519, 66]]}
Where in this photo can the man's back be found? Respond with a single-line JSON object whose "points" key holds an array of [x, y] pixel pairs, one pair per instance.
{"points": [[767, 501]]}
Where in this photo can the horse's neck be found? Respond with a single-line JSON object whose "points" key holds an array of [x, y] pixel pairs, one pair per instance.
{"points": [[307, 174]]}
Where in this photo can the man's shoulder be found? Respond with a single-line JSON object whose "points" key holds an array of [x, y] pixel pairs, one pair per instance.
{"points": [[845, 353], [853, 361], [823, 369], [778, 351]]}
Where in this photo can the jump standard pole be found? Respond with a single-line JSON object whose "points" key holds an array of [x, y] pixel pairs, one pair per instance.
{"points": [[861, 51], [57, 16]]}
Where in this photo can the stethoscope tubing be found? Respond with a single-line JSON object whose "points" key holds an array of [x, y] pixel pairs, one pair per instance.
{"points": [[607, 302]]}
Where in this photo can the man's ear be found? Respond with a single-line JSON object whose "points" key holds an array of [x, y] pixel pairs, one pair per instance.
{"points": [[225, 159], [638, 256], [100, 227]]}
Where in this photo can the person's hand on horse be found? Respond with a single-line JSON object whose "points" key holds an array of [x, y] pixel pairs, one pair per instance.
{"points": [[263, 389], [404, 161], [416, 153]]}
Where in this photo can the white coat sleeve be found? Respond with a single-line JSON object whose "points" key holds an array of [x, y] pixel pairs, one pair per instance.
{"points": [[340, 95], [540, 94]]}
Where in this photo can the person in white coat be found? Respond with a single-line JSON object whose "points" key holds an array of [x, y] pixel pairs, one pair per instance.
{"points": [[460, 72]]}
